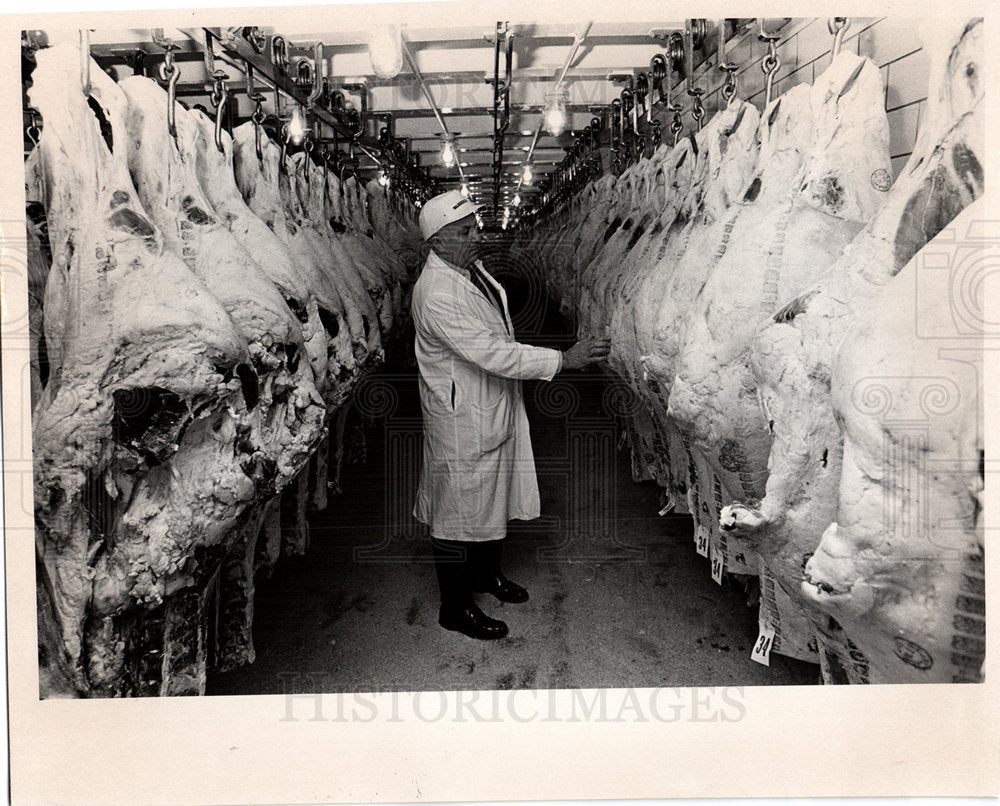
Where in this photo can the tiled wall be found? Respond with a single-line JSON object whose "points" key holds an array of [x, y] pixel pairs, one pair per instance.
{"points": [[893, 43]]}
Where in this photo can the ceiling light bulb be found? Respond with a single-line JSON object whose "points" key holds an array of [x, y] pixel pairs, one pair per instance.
{"points": [[526, 175], [517, 199], [448, 153], [383, 177], [465, 190], [386, 51], [555, 113], [297, 126]]}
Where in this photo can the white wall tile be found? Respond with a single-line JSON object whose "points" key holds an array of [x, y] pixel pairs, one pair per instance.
{"points": [[908, 79]]}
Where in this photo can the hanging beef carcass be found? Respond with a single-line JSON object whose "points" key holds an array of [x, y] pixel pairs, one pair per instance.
{"points": [[571, 248], [821, 174], [215, 169], [792, 355], [141, 356], [823, 169], [350, 207], [902, 567], [654, 305], [259, 181], [636, 240]]}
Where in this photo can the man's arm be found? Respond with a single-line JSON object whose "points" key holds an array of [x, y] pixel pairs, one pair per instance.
{"points": [[468, 336], [465, 333]]}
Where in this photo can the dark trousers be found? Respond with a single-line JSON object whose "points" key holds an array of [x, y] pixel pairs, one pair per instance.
{"points": [[460, 565]]}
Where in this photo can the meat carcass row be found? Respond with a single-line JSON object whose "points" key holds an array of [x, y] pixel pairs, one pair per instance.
{"points": [[362, 248], [287, 424], [723, 154], [652, 437], [823, 170], [358, 305], [902, 567], [571, 248], [258, 180], [307, 180], [403, 240], [142, 355], [599, 282], [215, 169], [351, 204], [792, 353]]}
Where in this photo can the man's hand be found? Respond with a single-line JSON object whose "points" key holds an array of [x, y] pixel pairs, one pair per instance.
{"points": [[586, 351]]}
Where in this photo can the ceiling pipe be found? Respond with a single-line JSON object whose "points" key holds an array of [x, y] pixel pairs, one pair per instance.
{"points": [[430, 98], [577, 41]]}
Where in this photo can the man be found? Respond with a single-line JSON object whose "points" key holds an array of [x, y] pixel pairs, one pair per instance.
{"points": [[478, 470]]}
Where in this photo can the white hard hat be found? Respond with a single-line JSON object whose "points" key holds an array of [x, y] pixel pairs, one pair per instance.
{"points": [[442, 210]]}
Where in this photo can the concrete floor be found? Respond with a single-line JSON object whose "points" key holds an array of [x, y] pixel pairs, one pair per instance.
{"points": [[619, 597]]}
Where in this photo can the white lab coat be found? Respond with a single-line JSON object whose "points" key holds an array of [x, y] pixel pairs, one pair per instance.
{"points": [[478, 470]]}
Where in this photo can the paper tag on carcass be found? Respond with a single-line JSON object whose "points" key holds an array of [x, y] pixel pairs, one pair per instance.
{"points": [[762, 648], [701, 541], [667, 508], [717, 562]]}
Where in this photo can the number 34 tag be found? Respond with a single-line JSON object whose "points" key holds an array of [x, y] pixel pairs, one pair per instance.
{"points": [[717, 561], [762, 648]]}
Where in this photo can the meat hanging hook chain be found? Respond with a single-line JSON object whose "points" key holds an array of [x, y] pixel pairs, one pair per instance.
{"points": [[258, 118], [698, 108], [170, 73], [219, 97], [770, 64]]}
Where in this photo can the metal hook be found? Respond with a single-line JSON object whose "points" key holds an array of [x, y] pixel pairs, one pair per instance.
{"points": [[32, 131], [170, 73], [258, 118], [279, 53], [769, 65], [219, 97], [284, 148], [305, 73], [256, 38], [838, 27], [318, 65]]}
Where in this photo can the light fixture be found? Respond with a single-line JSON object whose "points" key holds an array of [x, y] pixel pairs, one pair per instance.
{"points": [[448, 155], [465, 190], [526, 175], [383, 177], [385, 48], [555, 112], [297, 126], [517, 199]]}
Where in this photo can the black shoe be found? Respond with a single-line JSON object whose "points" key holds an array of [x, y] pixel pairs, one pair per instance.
{"points": [[502, 588], [472, 621]]}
